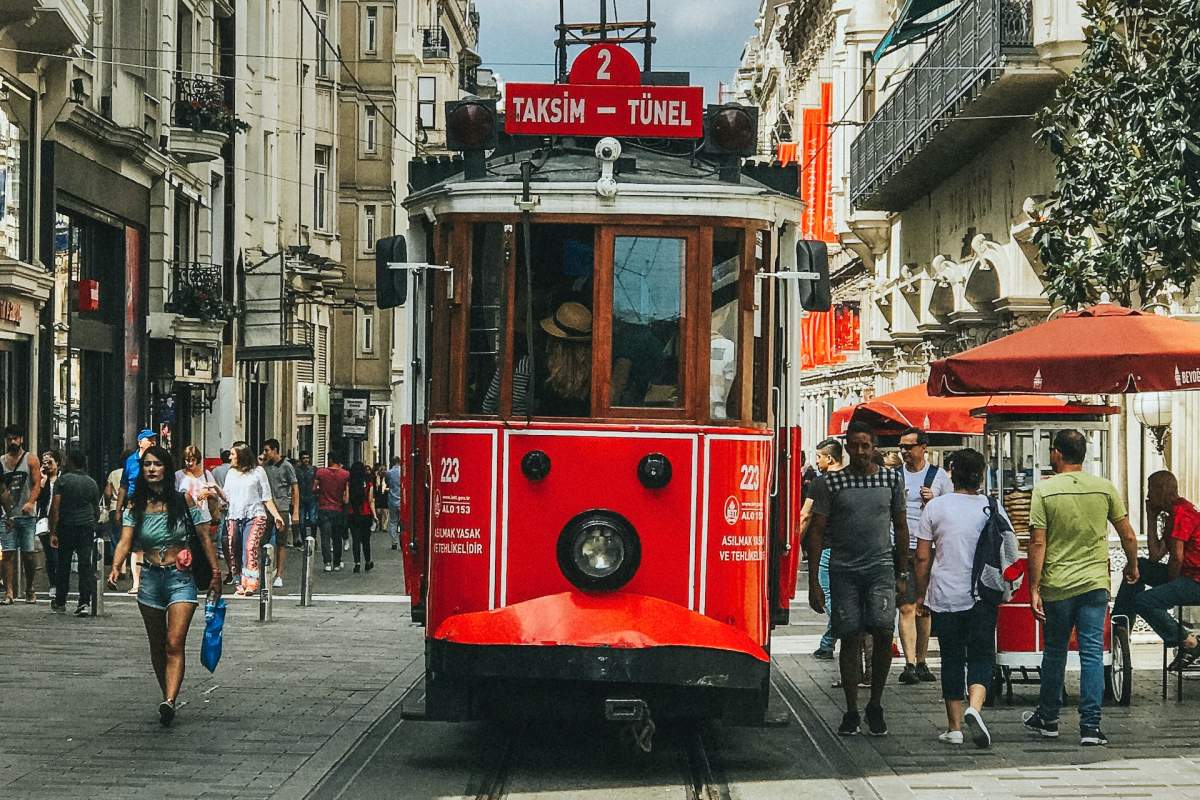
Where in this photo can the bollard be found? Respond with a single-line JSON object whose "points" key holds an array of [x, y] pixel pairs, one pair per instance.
{"points": [[306, 571], [101, 578], [265, 599]]}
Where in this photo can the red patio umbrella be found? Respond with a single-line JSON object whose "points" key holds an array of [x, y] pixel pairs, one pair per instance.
{"points": [[1105, 349], [913, 407]]}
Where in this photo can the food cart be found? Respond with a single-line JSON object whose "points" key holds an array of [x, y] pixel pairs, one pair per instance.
{"points": [[1018, 455]]}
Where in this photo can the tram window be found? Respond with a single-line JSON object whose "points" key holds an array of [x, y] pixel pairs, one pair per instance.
{"points": [[563, 266], [489, 258], [726, 269], [647, 309]]}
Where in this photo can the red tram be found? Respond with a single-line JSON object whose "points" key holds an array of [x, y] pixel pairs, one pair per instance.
{"points": [[604, 463]]}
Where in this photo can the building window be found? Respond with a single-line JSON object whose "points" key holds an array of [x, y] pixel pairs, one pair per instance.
{"points": [[369, 228], [16, 188], [427, 102], [322, 33], [320, 186], [366, 331], [183, 231], [269, 211], [370, 129], [371, 35], [868, 94]]}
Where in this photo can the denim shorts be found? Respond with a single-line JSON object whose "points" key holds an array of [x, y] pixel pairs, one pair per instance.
{"points": [[863, 602], [20, 537], [165, 586]]}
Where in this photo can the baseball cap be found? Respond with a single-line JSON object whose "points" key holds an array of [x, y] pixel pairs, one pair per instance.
{"points": [[146, 433]]}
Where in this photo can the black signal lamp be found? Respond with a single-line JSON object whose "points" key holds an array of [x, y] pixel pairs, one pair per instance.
{"points": [[472, 126], [535, 465], [731, 129], [391, 285], [812, 257], [654, 471]]}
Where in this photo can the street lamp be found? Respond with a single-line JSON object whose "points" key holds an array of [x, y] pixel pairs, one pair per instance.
{"points": [[1153, 410], [164, 385]]}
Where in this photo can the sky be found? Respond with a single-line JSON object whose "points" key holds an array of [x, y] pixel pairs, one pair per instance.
{"points": [[703, 37]]}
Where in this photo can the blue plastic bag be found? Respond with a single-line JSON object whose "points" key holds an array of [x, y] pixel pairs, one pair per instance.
{"points": [[214, 623]]}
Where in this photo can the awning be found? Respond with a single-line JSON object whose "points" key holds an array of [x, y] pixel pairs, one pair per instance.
{"points": [[912, 24]]}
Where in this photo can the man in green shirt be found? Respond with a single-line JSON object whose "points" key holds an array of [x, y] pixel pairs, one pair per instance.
{"points": [[1069, 580]]}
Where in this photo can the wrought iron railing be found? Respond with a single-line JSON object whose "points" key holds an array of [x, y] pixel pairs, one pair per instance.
{"points": [[200, 104], [435, 42], [965, 57], [197, 291]]}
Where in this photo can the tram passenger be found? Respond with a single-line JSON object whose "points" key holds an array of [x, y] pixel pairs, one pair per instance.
{"points": [[829, 459], [563, 366]]}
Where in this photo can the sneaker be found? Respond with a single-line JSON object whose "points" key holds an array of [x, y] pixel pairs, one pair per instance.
{"points": [[875, 724], [1185, 657], [166, 712], [328, 568], [278, 584], [357, 569], [370, 566], [823, 654], [849, 726], [1032, 720], [909, 676], [979, 732], [57, 607], [83, 609], [951, 737], [923, 673], [1092, 737], [337, 567], [229, 579]]}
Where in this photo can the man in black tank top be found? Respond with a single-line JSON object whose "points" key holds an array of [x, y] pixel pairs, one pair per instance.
{"points": [[22, 476]]}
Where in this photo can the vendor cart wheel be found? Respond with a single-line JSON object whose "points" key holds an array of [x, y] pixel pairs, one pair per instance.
{"points": [[1118, 677]]}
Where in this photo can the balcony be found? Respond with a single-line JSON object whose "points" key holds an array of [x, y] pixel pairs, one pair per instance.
{"points": [[435, 42], [198, 293], [201, 121], [982, 64], [48, 26]]}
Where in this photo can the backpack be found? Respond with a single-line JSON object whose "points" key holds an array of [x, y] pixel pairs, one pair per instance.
{"points": [[995, 573]]}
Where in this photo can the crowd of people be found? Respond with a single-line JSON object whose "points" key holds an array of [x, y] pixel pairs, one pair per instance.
{"points": [[170, 529], [899, 549]]}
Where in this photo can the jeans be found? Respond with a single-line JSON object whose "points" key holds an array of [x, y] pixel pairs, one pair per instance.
{"points": [[308, 516], [1150, 574], [77, 540], [967, 640], [394, 527], [333, 528], [827, 639], [1085, 613], [1154, 605], [360, 533]]}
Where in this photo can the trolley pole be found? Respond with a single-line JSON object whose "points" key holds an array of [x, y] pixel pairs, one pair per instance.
{"points": [[306, 571], [265, 599], [98, 598]]}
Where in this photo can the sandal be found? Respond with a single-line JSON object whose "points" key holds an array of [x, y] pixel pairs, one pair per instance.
{"points": [[7, 601]]}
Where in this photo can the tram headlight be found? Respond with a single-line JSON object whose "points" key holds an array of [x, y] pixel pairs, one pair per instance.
{"points": [[599, 551]]}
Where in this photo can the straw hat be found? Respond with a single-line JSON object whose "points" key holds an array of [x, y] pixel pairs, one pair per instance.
{"points": [[572, 321]]}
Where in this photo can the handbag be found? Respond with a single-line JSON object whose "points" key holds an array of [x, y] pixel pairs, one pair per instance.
{"points": [[200, 566], [214, 624]]}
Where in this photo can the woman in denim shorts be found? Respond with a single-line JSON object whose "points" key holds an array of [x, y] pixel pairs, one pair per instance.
{"points": [[156, 523]]}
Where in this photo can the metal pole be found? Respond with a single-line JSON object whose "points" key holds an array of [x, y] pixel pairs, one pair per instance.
{"points": [[98, 599], [265, 598], [306, 572]]}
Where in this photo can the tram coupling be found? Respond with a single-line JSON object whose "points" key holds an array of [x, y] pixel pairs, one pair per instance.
{"points": [[637, 727]]}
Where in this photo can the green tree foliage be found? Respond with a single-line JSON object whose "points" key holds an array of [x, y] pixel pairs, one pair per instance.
{"points": [[1125, 131]]}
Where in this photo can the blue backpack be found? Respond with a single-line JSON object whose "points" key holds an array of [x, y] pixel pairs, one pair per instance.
{"points": [[995, 573]]}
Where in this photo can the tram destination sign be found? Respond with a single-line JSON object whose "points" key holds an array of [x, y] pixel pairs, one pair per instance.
{"points": [[604, 96]]}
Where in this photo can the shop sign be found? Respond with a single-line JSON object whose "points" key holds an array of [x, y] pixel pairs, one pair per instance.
{"points": [[10, 312], [194, 364], [356, 411]]}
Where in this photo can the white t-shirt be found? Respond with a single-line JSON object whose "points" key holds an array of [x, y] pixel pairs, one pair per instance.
{"points": [[953, 523], [246, 492], [913, 483], [195, 487]]}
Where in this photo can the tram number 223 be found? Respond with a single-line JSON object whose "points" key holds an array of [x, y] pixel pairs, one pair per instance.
{"points": [[449, 471], [751, 477]]}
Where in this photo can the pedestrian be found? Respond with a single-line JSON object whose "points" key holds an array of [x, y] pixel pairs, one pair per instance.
{"points": [[948, 534], [220, 471], [73, 518], [250, 501], [922, 482], [306, 475], [1069, 580], [21, 472], [1162, 494], [199, 484], [379, 475], [394, 479], [360, 504], [51, 464], [146, 439], [331, 510], [112, 489], [1176, 583], [285, 491], [857, 509], [156, 521], [829, 459]]}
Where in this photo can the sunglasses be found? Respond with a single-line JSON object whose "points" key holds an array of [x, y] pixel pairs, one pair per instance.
{"points": [[910, 446]]}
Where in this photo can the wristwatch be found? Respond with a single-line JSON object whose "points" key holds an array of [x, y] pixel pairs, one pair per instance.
{"points": [[902, 576]]}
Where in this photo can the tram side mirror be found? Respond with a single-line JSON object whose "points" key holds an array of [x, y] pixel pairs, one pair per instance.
{"points": [[391, 285], [813, 257]]}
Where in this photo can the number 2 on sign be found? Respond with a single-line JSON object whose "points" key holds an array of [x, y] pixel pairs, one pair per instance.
{"points": [[750, 477], [602, 73], [449, 470]]}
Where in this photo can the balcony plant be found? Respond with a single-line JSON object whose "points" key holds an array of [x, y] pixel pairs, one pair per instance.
{"points": [[200, 105], [198, 301]]}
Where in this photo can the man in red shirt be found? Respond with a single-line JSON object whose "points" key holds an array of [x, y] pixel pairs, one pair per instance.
{"points": [[1182, 587], [330, 483]]}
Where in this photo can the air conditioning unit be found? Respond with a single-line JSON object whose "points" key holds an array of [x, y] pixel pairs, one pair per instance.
{"points": [[306, 398]]}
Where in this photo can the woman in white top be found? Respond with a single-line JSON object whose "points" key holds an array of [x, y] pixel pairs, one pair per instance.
{"points": [[198, 483], [966, 629], [248, 493]]}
